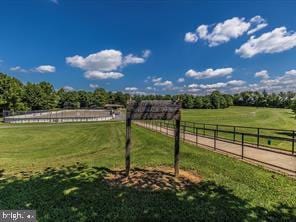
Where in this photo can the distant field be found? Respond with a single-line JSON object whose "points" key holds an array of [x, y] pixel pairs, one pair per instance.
{"points": [[243, 116], [40, 155]]}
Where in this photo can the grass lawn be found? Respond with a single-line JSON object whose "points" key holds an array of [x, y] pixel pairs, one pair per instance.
{"points": [[59, 171], [250, 117], [243, 116]]}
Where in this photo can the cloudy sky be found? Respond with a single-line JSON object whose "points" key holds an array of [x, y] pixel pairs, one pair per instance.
{"points": [[151, 46]]}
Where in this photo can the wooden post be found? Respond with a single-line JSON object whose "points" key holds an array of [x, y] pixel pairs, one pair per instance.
{"points": [[128, 145], [184, 131], [167, 128], [196, 136], [217, 129], [204, 129], [293, 143], [258, 137], [195, 129], [177, 147], [243, 141], [234, 132], [215, 139]]}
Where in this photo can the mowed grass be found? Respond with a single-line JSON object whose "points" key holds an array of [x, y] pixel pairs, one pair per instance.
{"points": [[58, 170], [243, 116], [274, 118]]}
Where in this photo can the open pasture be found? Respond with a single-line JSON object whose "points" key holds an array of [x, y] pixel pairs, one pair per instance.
{"points": [[274, 126], [243, 116], [47, 166]]}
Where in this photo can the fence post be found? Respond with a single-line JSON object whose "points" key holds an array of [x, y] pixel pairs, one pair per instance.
{"points": [[197, 135], [258, 137], [243, 141], [217, 128], [215, 139], [167, 128], [184, 131], [234, 132], [204, 128], [196, 139], [293, 142]]}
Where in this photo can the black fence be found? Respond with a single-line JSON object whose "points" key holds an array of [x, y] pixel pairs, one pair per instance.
{"points": [[209, 135], [278, 140]]}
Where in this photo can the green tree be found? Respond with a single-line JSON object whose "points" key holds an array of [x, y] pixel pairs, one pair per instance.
{"points": [[11, 93], [68, 99], [100, 97], [293, 107], [198, 102], [40, 96]]}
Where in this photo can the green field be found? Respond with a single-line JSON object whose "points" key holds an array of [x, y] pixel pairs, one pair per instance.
{"points": [[58, 170], [244, 116], [281, 119]]}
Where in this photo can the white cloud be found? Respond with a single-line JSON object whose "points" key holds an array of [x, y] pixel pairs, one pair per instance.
{"points": [[213, 86], [93, 85], [223, 32], [262, 74], [291, 72], [18, 69], [202, 31], [193, 85], [68, 88], [209, 73], [259, 22], [146, 53], [190, 37], [45, 69], [219, 85], [236, 83], [131, 59], [40, 69], [102, 75], [180, 80], [284, 82], [131, 89], [165, 83], [278, 40], [151, 88], [105, 60], [105, 64], [156, 79]]}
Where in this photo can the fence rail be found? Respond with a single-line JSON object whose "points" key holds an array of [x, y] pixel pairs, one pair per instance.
{"points": [[53, 116], [245, 145], [278, 140]]}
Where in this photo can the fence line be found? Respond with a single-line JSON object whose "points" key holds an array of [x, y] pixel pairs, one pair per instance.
{"points": [[81, 115], [255, 139], [211, 137]]}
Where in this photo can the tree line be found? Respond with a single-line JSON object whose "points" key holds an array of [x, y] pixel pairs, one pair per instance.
{"points": [[16, 96]]}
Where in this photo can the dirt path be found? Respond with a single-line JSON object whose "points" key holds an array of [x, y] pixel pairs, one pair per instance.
{"points": [[268, 159]]}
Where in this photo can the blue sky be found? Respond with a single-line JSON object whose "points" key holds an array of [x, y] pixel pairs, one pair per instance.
{"points": [[151, 46]]}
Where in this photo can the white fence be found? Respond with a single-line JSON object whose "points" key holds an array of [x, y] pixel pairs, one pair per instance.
{"points": [[81, 115]]}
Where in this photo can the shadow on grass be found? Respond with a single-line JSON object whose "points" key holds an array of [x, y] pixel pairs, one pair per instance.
{"points": [[81, 193]]}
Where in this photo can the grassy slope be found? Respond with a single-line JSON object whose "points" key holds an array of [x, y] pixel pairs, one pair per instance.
{"points": [[248, 116], [231, 190], [244, 116]]}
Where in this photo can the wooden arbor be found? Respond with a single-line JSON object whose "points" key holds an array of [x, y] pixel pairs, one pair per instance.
{"points": [[153, 110]]}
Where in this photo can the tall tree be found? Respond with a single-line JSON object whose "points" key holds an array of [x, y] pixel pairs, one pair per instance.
{"points": [[11, 93]]}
